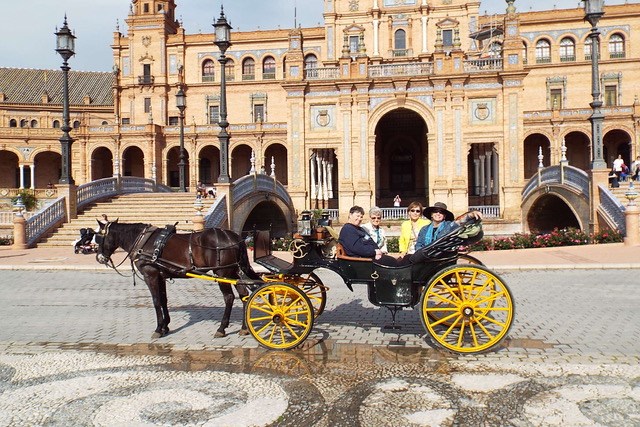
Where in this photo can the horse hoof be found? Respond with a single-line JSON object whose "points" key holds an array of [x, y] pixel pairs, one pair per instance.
{"points": [[243, 332], [220, 334], [156, 335]]}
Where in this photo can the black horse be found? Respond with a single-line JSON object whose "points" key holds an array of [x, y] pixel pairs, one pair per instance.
{"points": [[158, 255]]}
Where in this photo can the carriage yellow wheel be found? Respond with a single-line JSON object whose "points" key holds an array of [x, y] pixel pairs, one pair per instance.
{"points": [[310, 284], [279, 315], [467, 309]]}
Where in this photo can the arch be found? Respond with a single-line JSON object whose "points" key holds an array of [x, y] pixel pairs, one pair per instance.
{"points": [[173, 170], [132, 162], [33, 123], [208, 70], [555, 206], [48, 165], [495, 49], [531, 147], [240, 161], [279, 154], [616, 142], [56, 124], [9, 169], [578, 149], [401, 157], [410, 104], [616, 46], [310, 61], [209, 164], [13, 123], [267, 215], [101, 163]]}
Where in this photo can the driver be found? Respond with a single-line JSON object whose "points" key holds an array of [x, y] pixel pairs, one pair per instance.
{"points": [[358, 243]]}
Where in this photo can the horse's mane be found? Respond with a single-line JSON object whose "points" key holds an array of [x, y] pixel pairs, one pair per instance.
{"points": [[128, 233]]}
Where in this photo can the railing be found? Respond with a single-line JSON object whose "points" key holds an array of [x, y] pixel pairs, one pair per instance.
{"points": [[410, 69], [394, 213], [568, 58], [268, 76], [486, 64], [611, 206], [249, 184], [399, 52], [315, 73], [246, 77], [617, 55], [45, 219], [94, 190], [145, 80], [487, 211], [6, 218]]}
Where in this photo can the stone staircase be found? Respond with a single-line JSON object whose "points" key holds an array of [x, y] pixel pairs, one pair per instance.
{"points": [[157, 209], [624, 187]]}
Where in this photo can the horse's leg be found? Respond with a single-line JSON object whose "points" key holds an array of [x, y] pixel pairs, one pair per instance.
{"points": [[162, 281], [156, 283], [243, 292], [228, 297]]}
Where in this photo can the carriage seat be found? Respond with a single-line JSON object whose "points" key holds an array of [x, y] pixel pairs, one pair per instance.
{"points": [[342, 254]]}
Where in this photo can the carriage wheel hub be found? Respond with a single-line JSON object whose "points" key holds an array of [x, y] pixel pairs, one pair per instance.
{"points": [[467, 311], [277, 319]]}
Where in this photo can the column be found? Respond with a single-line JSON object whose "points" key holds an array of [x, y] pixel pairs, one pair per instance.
{"points": [[32, 169], [21, 177], [425, 47]]}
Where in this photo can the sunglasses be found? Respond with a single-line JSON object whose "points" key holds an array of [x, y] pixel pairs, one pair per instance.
{"points": [[415, 210], [375, 217]]}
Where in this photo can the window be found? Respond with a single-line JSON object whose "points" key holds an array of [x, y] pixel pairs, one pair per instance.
{"points": [[248, 69], [269, 68], [214, 114], [104, 123], [311, 65], [208, 70], [524, 53], [126, 121], [147, 105], [76, 124], [23, 123], [610, 95], [447, 38], [258, 113], [174, 121], [56, 124], [353, 44], [587, 49], [567, 50], [146, 8], [616, 46], [555, 96], [400, 43], [34, 123], [543, 52], [14, 124], [229, 71]]}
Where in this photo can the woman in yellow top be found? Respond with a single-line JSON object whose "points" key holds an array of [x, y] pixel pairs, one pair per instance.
{"points": [[410, 228]]}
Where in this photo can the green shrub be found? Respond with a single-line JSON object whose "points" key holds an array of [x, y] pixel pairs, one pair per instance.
{"points": [[393, 244], [608, 236], [28, 198]]}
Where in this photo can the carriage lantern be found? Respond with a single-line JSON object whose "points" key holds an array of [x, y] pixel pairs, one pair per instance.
{"points": [[304, 224], [324, 219]]}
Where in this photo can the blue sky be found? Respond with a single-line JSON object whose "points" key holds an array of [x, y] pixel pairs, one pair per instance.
{"points": [[28, 25]]}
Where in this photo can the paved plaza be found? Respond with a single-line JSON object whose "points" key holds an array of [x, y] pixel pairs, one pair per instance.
{"points": [[76, 349]]}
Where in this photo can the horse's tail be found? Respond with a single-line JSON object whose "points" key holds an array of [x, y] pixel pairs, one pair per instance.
{"points": [[244, 263]]}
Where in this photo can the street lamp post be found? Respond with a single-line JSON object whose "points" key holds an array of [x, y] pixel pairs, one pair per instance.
{"points": [[181, 103], [223, 41], [594, 10], [65, 45]]}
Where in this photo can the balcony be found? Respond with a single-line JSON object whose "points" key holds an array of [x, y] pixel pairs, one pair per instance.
{"points": [[486, 64], [617, 55], [269, 76], [145, 80], [248, 77], [315, 73], [568, 58], [410, 69], [208, 78]]}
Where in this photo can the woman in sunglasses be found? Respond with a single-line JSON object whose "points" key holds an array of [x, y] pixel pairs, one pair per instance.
{"points": [[375, 229], [410, 228]]}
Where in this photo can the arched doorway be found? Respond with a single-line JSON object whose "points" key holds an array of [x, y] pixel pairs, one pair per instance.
{"points": [[209, 165], [266, 216], [532, 145], [47, 168], [401, 157], [278, 154], [578, 154], [549, 212], [240, 161], [173, 171], [617, 142], [9, 170], [133, 162], [101, 163]]}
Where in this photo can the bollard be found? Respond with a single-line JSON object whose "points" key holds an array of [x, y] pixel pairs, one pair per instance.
{"points": [[198, 223], [632, 221], [19, 232]]}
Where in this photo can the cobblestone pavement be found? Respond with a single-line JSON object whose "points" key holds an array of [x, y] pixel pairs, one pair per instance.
{"points": [[75, 349]]}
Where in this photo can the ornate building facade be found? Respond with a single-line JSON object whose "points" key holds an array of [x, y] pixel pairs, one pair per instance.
{"points": [[427, 99]]}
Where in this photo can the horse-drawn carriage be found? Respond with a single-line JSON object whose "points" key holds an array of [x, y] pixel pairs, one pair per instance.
{"points": [[465, 308]]}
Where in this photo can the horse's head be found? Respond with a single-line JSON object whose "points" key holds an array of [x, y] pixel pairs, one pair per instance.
{"points": [[106, 240]]}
